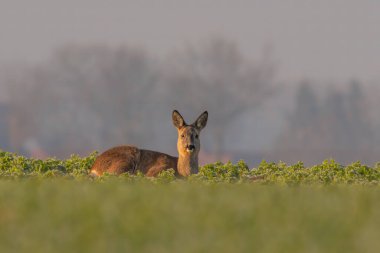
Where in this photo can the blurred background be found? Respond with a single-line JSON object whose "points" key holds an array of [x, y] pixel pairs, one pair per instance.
{"points": [[282, 80]]}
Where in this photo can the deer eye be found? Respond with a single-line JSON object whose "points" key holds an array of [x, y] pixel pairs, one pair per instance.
{"points": [[182, 135], [196, 136]]}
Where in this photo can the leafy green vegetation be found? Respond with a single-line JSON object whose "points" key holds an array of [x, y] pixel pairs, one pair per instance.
{"points": [[55, 206], [329, 172]]}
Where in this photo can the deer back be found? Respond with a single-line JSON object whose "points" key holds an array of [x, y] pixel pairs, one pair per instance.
{"points": [[130, 159]]}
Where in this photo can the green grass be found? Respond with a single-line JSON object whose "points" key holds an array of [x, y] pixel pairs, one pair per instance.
{"points": [[55, 206], [114, 216]]}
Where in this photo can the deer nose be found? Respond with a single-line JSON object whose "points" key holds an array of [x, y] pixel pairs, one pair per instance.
{"points": [[191, 147]]}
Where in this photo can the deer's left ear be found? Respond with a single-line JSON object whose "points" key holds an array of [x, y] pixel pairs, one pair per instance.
{"points": [[201, 122]]}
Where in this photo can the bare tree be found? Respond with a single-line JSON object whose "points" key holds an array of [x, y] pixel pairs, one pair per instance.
{"points": [[86, 97], [116, 84], [217, 77]]}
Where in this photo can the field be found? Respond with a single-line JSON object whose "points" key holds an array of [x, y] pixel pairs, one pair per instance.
{"points": [[54, 206]]}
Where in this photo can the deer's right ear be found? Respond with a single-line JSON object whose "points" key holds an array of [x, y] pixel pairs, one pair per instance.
{"points": [[178, 120]]}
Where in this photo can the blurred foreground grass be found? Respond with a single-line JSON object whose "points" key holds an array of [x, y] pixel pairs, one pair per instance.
{"points": [[115, 216]]}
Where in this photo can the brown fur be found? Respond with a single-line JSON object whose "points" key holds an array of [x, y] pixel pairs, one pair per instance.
{"points": [[131, 159], [123, 159]]}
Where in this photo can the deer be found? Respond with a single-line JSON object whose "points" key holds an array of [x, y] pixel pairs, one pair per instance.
{"points": [[122, 159]]}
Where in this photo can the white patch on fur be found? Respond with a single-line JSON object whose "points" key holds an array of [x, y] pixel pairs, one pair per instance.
{"points": [[94, 172]]}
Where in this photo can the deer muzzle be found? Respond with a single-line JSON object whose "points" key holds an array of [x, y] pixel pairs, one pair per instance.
{"points": [[190, 148]]}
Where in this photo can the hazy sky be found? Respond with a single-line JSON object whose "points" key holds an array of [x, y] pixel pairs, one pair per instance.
{"points": [[317, 39]]}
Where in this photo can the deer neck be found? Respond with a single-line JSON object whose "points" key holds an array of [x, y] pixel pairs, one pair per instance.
{"points": [[187, 164]]}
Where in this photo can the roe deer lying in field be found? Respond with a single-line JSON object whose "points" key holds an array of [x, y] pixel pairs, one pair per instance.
{"points": [[122, 159]]}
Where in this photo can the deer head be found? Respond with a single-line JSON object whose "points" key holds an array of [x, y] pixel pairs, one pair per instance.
{"points": [[188, 144]]}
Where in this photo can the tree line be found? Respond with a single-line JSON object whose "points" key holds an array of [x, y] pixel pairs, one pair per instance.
{"points": [[93, 97]]}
